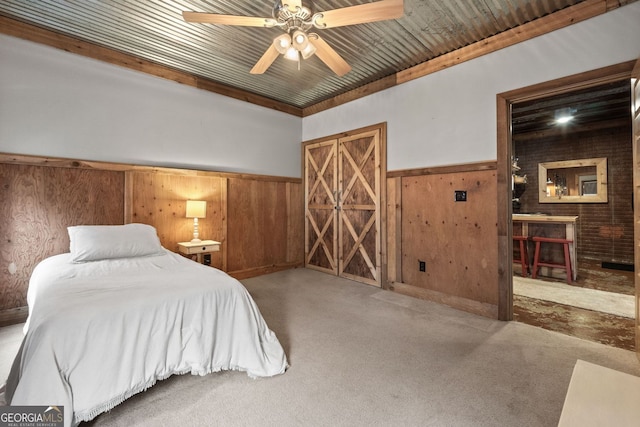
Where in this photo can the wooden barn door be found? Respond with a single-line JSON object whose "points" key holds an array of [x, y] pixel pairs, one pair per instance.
{"points": [[344, 204], [359, 207], [321, 231]]}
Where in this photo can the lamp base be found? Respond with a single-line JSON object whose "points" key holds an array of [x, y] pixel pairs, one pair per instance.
{"points": [[196, 234]]}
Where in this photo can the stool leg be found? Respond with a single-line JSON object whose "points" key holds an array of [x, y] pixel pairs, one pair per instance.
{"points": [[524, 258], [536, 258], [567, 263]]}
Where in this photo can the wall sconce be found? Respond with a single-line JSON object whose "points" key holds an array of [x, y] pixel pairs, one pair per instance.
{"points": [[196, 209]]}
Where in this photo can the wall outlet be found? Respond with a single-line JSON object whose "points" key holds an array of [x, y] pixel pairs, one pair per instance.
{"points": [[206, 260], [460, 196], [422, 266]]}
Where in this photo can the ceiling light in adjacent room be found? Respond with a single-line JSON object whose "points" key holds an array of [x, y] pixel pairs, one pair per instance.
{"points": [[564, 115], [564, 119]]}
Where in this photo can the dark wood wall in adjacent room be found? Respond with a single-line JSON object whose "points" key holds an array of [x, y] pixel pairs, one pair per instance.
{"points": [[605, 230]]}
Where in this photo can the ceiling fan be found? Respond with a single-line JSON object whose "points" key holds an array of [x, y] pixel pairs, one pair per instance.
{"points": [[296, 20]]}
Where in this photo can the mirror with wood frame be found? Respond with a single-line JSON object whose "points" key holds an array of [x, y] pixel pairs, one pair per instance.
{"points": [[573, 181]]}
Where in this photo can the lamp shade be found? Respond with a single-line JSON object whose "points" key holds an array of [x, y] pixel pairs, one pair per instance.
{"points": [[282, 43], [299, 40], [196, 209]]}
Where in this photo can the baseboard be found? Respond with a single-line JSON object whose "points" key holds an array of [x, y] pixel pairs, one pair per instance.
{"points": [[11, 316], [259, 271], [460, 303]]}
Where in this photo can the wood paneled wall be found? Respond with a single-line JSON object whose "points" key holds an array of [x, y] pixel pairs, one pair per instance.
{"points": [[159, 199], [265, 220], [37, 204], [258, 219], [456, 240]]}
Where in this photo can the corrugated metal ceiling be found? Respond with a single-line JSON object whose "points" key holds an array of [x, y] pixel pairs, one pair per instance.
{"points": [[156, 31]]}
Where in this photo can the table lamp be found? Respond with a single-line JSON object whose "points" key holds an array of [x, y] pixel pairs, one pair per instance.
{"points": [[196, 209]]}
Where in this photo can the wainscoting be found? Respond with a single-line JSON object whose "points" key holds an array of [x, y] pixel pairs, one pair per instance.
{"points": [[456, 240], [258, 219]]}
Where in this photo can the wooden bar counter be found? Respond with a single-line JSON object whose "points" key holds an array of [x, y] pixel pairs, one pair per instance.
{"points": [[534, 225]]}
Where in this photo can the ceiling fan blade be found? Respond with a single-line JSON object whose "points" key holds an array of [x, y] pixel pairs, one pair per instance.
{"points": [[360, 14], [265, 61], [243, 21], [329, 56]]}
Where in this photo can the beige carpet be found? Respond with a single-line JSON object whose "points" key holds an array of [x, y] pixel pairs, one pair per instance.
{"points": [[361, 356], [600, 396], [562, 293]]}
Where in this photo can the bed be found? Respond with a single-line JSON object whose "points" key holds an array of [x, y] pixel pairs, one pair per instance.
{"points": [[119, 312]]}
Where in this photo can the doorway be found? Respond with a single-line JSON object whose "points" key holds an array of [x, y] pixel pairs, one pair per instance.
{"points": [[560, 143], [523, 111]]}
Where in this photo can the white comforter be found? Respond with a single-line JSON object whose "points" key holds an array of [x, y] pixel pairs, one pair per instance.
{"points": [[101, 331]]}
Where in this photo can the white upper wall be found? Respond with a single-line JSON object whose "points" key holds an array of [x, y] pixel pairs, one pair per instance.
{"points": [[449, 117], [58, 104], [53, 103]]}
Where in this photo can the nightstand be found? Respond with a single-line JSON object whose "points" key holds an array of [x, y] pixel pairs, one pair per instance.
{"points": [[198, 249]]}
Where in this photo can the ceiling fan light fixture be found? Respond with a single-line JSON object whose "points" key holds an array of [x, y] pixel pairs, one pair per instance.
{"points": [[292, 54], [282, 43], [300, 40], [308, 51]]}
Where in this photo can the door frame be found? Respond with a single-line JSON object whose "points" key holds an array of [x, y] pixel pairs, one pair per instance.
{"points": [[504, 102]]}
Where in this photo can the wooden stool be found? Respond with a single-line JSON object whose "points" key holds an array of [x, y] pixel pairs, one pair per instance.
{"points": [[524, 256], [567, 258]]}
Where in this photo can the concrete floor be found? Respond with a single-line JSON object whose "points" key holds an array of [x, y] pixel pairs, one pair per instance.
{"points": [[590, 325]]}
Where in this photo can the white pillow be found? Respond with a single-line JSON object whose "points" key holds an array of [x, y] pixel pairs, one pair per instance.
{"points": [[97, 242]]}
